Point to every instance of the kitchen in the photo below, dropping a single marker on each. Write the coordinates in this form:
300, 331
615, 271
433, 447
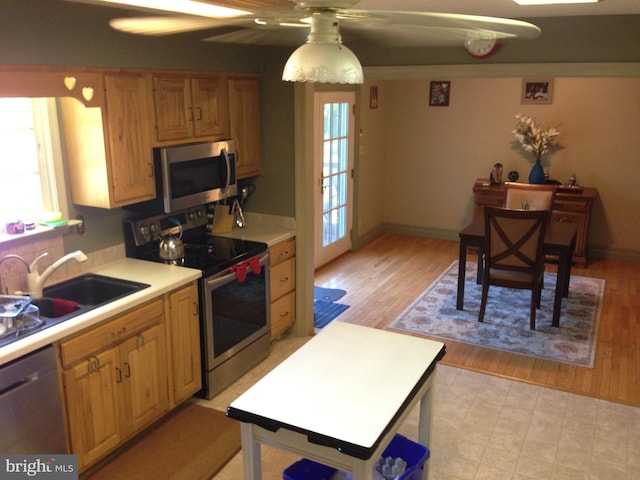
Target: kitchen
51, 41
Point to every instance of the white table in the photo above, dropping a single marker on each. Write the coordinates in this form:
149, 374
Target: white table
340, 398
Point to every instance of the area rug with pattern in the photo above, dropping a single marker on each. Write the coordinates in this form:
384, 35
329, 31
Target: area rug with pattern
506, 323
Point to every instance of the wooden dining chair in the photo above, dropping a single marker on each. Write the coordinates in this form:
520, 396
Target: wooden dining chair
527, 196
514, 256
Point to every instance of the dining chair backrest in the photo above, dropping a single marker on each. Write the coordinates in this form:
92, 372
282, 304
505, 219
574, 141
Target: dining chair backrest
514, 253
514, 239
527, 196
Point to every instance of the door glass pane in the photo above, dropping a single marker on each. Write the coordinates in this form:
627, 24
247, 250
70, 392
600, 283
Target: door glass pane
335, 171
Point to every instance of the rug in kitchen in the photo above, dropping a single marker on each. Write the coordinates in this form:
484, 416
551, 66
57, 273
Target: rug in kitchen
192, 443
506, 325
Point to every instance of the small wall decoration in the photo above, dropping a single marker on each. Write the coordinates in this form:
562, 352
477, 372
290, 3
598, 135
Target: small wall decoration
537, 90
439, 93
373, 97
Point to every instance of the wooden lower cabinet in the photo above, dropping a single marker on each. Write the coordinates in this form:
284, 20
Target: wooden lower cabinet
119, 388
282, 285
124, 374
93, 408
184, 344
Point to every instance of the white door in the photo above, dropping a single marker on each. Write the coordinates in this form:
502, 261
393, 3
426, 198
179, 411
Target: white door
333, 160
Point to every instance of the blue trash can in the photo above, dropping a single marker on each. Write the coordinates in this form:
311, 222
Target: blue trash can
411, 452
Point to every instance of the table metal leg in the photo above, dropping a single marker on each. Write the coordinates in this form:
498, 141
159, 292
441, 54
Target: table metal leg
424, 426
462, 267
251, 458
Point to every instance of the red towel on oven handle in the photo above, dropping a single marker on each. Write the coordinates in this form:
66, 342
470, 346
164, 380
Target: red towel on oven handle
241, 271
254, 263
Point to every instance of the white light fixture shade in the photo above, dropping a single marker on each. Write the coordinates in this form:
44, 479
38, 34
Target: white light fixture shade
323, 58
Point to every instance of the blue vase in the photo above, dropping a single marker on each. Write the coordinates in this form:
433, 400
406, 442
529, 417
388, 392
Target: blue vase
537, 173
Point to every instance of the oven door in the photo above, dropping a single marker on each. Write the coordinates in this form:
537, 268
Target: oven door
235, 312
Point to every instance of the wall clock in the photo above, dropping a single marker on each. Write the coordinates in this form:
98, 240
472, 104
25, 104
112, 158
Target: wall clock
479, 47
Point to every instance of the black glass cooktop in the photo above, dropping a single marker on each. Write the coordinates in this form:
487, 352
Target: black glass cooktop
211, 254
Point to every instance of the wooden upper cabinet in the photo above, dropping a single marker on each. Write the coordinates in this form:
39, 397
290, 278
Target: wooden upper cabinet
244, 121
128, 107
109, 147
190, 107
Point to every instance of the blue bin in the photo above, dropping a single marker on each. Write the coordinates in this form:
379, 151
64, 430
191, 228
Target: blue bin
307, 470
411, 452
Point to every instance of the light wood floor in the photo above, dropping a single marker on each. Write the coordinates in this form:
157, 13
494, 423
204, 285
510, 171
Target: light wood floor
387, 275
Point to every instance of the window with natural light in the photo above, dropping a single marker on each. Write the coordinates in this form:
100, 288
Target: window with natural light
29, 157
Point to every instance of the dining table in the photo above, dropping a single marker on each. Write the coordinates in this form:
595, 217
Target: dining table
340, 399
559, 242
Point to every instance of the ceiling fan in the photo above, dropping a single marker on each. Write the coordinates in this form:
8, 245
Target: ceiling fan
328, 22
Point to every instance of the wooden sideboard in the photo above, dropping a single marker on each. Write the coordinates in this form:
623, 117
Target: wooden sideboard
571, 205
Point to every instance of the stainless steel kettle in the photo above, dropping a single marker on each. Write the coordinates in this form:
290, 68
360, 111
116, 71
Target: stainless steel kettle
171, 247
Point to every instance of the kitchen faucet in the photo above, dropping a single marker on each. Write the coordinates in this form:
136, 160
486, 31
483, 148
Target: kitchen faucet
35, 281
9, 257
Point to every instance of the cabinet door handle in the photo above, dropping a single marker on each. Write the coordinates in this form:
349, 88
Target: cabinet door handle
196, 309
94, 364
199, 113
284, 314
191, 117
128, 367
119, 332
140, 341
118, 375
150, 169
284, 279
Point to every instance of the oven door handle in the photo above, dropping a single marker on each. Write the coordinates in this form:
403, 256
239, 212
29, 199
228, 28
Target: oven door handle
229, 274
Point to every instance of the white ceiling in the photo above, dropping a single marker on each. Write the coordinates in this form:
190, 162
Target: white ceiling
504, 8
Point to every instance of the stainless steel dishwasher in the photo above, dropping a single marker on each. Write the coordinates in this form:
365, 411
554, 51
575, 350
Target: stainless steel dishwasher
30, 405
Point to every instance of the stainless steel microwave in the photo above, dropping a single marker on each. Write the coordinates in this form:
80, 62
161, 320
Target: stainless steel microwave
191, 175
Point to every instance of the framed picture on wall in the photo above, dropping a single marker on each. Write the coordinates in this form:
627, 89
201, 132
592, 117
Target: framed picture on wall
373, 97
439, 93
537, 90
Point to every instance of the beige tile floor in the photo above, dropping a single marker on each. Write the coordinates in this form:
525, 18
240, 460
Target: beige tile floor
486, 427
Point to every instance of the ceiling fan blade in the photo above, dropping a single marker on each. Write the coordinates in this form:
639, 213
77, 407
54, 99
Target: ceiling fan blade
167, 25
375, 27
263, 36
420, 29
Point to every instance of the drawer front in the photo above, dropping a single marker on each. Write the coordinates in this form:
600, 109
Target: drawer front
281, 252
283, 314
570, 205
282, 278
112, 332
493, 199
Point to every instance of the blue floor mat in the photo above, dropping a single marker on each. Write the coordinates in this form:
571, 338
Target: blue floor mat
324, 312
328, 294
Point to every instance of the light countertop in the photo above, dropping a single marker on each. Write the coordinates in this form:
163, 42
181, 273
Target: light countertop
162, 278
261, 232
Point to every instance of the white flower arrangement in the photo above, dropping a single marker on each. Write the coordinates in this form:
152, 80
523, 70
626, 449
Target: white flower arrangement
533, 138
